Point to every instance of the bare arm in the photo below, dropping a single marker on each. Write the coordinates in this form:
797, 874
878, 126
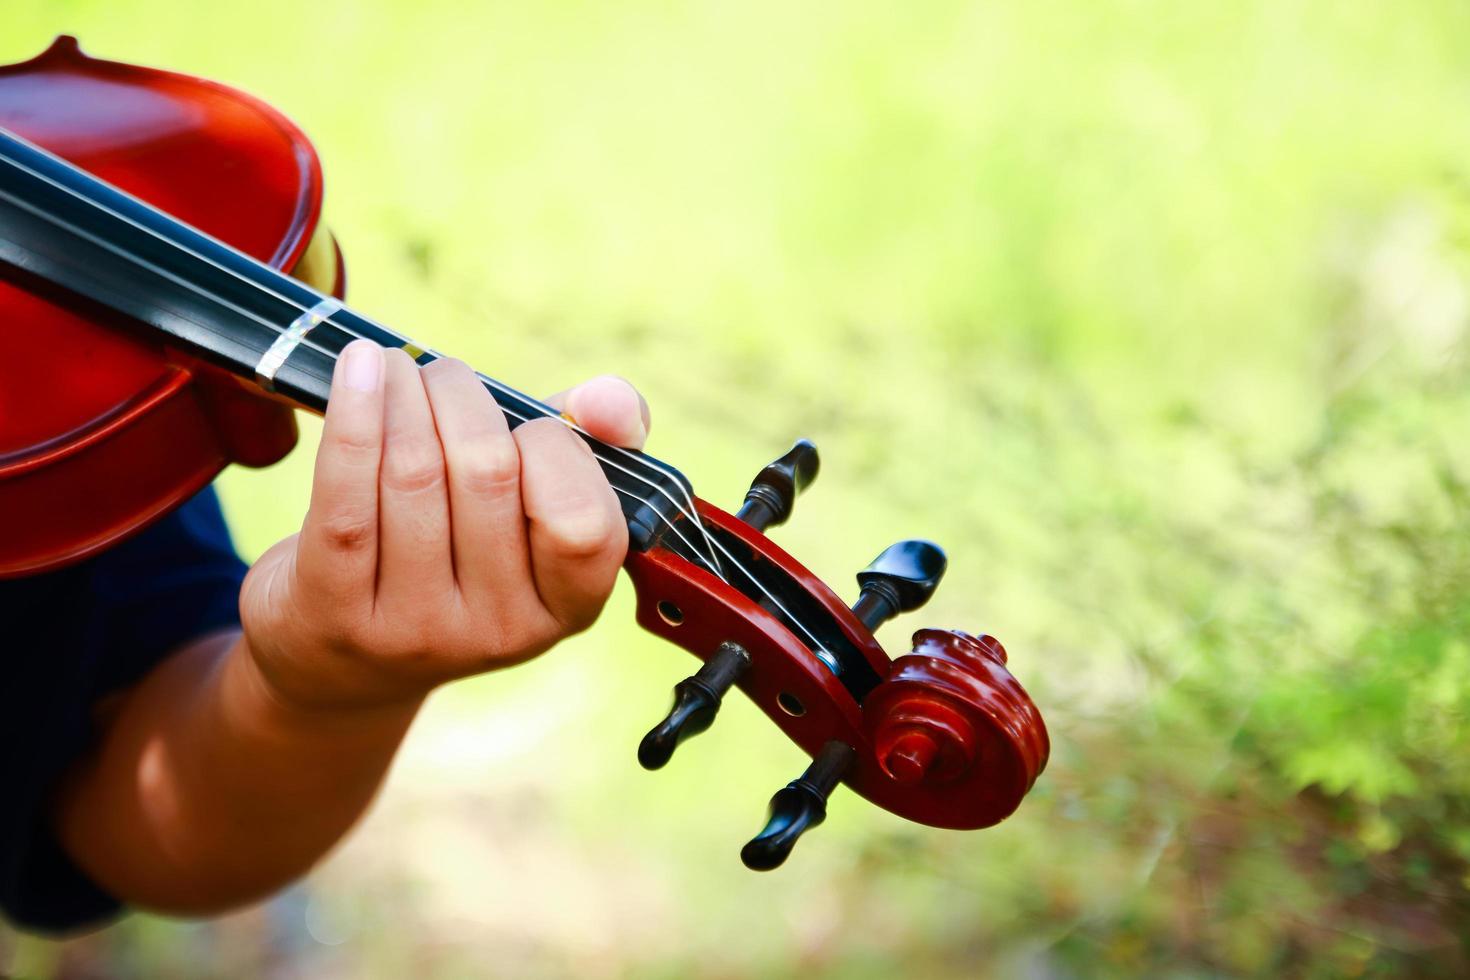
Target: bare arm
438, 545
210, 790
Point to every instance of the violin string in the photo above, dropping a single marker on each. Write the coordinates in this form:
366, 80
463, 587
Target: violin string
714, 544
796, 621
329, 354
672, 527
816, 645
712, 561
689, 512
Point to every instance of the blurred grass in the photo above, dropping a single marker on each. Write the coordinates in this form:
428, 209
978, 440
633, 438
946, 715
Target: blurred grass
1153, 314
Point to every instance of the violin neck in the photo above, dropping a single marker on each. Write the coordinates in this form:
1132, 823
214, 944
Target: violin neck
84, 237
67, 228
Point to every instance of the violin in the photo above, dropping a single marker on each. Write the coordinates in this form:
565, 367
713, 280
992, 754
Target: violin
169, 300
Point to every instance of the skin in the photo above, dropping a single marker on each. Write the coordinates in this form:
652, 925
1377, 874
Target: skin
438, 545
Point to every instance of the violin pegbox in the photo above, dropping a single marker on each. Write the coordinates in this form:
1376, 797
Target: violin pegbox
944, 735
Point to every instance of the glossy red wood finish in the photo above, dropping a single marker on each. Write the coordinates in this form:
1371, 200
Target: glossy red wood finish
102, 431
952, 725
989, 741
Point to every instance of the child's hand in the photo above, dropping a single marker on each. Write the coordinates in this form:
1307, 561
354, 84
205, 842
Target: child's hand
438, 544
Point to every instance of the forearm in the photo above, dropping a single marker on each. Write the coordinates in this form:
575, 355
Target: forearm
208, 791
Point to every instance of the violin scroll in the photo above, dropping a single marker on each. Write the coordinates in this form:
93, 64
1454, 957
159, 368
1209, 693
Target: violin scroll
942, 735
950, 718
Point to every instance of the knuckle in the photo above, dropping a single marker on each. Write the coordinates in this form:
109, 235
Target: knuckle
577, 616
519, 637
348, 532
415, 657
355, 445
537, 638
346, 632
487, 467
497, 640
392, 637
506, 626
413, 472
582, 532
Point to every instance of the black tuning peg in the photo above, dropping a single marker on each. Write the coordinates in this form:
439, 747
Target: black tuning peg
798, 808
773, 494
898, 581
696, 701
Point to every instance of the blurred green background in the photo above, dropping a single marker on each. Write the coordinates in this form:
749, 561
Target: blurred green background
1153, 314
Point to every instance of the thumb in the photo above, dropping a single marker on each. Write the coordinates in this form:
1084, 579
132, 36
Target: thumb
609, 408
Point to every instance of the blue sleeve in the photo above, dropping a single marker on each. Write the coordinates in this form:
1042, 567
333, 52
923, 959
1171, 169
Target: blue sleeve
85, 632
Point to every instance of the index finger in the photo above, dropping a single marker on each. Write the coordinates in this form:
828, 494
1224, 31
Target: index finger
338, 550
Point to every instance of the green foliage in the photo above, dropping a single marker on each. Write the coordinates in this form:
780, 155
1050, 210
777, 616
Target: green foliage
1154, 314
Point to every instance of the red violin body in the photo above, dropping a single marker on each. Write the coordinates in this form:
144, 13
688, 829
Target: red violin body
102, 429
113, 411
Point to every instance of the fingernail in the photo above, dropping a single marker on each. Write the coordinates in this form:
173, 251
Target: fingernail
362, 366
640, 432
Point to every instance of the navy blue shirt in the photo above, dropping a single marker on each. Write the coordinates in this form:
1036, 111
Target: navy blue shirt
70, 638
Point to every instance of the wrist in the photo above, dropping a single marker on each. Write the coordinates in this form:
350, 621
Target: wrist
253, 692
